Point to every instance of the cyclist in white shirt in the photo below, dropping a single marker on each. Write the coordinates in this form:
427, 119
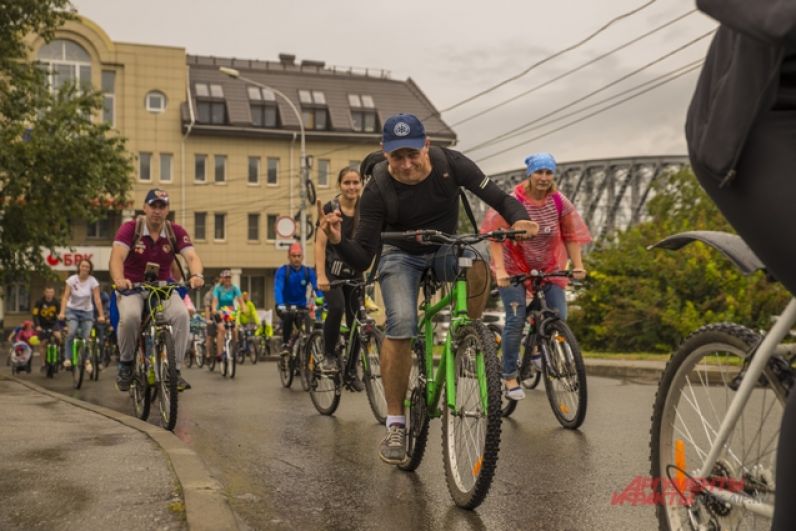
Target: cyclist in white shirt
76, 305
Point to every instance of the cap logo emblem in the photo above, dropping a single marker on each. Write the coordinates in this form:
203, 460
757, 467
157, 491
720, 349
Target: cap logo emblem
401, 129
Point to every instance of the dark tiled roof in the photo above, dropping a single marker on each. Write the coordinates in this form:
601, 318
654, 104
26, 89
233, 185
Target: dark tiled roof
390, 96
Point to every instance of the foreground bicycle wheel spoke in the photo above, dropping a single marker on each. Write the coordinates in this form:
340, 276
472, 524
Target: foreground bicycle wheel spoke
471, 433
694, 396
565, 376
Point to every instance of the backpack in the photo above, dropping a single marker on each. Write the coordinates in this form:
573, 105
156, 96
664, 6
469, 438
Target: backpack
139, 228
381, 178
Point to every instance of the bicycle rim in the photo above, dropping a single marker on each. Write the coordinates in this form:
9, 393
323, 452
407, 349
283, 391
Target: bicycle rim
374, 386
168, 381
417, 419
693, 397
565, 376
471, 434
253, 355
324, 387
200, 354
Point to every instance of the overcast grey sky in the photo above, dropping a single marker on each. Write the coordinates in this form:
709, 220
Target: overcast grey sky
453, 49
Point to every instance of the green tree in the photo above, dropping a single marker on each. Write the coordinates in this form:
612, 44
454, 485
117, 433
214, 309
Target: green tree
58, 163
640, 300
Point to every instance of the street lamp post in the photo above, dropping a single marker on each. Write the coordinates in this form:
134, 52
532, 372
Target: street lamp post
231, 72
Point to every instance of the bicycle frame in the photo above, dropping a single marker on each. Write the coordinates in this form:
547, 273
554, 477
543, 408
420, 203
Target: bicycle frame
762, 354
445, 375
156, 295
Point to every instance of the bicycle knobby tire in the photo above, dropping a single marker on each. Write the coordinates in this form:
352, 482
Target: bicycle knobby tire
469, 468
167, 358
565, 380
371, 363
325, 389
416, 410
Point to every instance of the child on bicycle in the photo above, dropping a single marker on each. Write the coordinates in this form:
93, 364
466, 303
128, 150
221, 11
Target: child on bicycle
562, 231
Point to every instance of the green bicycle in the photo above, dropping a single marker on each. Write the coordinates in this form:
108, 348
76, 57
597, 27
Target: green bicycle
155, 367
84, 351
52, 353
468, 376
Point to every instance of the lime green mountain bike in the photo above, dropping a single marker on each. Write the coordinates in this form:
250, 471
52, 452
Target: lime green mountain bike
465, 388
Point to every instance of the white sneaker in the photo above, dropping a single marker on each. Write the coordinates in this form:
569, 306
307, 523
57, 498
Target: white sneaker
515, 393
67, 363
89, 367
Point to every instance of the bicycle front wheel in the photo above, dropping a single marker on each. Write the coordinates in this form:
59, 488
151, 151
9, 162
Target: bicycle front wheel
252, 348
285, 367
565, 375
167, 358
94, 356
471, 432
300, 356
416, 410
140, 391
200, 351
325, 387
371, 366
693, 398
79, 365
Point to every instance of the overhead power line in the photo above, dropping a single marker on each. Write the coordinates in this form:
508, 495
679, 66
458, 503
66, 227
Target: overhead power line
574, 70
527, 125
548, 58
586, 117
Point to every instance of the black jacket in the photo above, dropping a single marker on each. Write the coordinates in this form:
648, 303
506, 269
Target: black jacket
738, 80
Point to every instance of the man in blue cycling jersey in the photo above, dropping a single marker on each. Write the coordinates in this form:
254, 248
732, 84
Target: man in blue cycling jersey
290, 288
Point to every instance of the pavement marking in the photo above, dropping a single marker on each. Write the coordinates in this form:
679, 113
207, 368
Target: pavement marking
206, 507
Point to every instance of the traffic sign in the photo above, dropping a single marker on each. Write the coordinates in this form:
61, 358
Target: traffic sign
283, 244
285, 227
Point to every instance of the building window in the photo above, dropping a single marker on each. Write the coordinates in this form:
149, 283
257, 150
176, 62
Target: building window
200, 163
220, 227
363, 113
264, 111
273, 170
314, 110
109, 97
155, 101
211, 108
220, 168
100, 229
254, 227
254, 170
323, 172
200, 225
165, 167
270, 229
145, 166
65, 62
17, 299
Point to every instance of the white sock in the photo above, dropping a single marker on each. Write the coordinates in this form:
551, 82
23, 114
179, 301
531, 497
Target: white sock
396, 419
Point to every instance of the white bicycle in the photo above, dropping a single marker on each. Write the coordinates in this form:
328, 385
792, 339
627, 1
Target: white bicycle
717, 415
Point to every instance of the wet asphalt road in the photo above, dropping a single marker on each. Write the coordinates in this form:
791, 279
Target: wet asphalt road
286, 467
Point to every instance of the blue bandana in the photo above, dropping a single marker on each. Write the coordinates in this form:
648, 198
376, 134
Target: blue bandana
539, 161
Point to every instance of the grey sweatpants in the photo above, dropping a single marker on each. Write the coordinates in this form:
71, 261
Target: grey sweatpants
130, 308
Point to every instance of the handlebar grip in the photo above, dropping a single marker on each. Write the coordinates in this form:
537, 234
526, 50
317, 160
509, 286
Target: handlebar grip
409, 234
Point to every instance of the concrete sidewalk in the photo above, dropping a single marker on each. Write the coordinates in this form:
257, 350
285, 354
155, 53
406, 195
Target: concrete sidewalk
67, 464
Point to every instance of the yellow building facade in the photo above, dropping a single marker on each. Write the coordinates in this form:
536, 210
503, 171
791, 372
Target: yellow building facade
227, 151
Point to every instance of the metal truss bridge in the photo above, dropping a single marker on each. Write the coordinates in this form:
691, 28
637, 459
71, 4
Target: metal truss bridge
610, 194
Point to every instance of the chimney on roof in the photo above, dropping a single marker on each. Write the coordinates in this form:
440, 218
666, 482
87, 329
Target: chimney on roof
311, 63
287, 59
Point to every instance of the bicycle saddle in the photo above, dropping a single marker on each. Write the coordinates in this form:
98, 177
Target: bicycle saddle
730, 245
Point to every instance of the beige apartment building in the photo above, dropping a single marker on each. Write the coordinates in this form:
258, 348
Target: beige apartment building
227, 151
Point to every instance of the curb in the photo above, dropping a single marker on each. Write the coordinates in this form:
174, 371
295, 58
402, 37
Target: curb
624, 369
206, 507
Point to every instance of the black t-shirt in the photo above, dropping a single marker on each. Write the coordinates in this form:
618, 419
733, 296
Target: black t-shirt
45, 314
430, 204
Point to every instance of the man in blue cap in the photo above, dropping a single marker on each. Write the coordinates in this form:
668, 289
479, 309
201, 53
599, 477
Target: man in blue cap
424, 186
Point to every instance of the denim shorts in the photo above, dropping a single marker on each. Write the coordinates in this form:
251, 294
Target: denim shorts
399, 276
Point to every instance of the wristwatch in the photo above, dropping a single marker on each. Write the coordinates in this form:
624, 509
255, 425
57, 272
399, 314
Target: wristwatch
197, 275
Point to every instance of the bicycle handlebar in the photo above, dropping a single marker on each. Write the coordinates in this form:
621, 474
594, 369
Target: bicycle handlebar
541, 275
435, 236
142, 286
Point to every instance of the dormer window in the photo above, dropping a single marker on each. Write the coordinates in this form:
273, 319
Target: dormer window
262, 102
211, 108
363, 113
314, 109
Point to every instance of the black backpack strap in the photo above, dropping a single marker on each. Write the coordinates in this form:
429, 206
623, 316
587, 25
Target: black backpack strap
440, 159
381, 180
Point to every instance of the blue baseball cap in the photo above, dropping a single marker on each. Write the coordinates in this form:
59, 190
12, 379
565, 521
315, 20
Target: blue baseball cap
403, 131
155, 195
539, 161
